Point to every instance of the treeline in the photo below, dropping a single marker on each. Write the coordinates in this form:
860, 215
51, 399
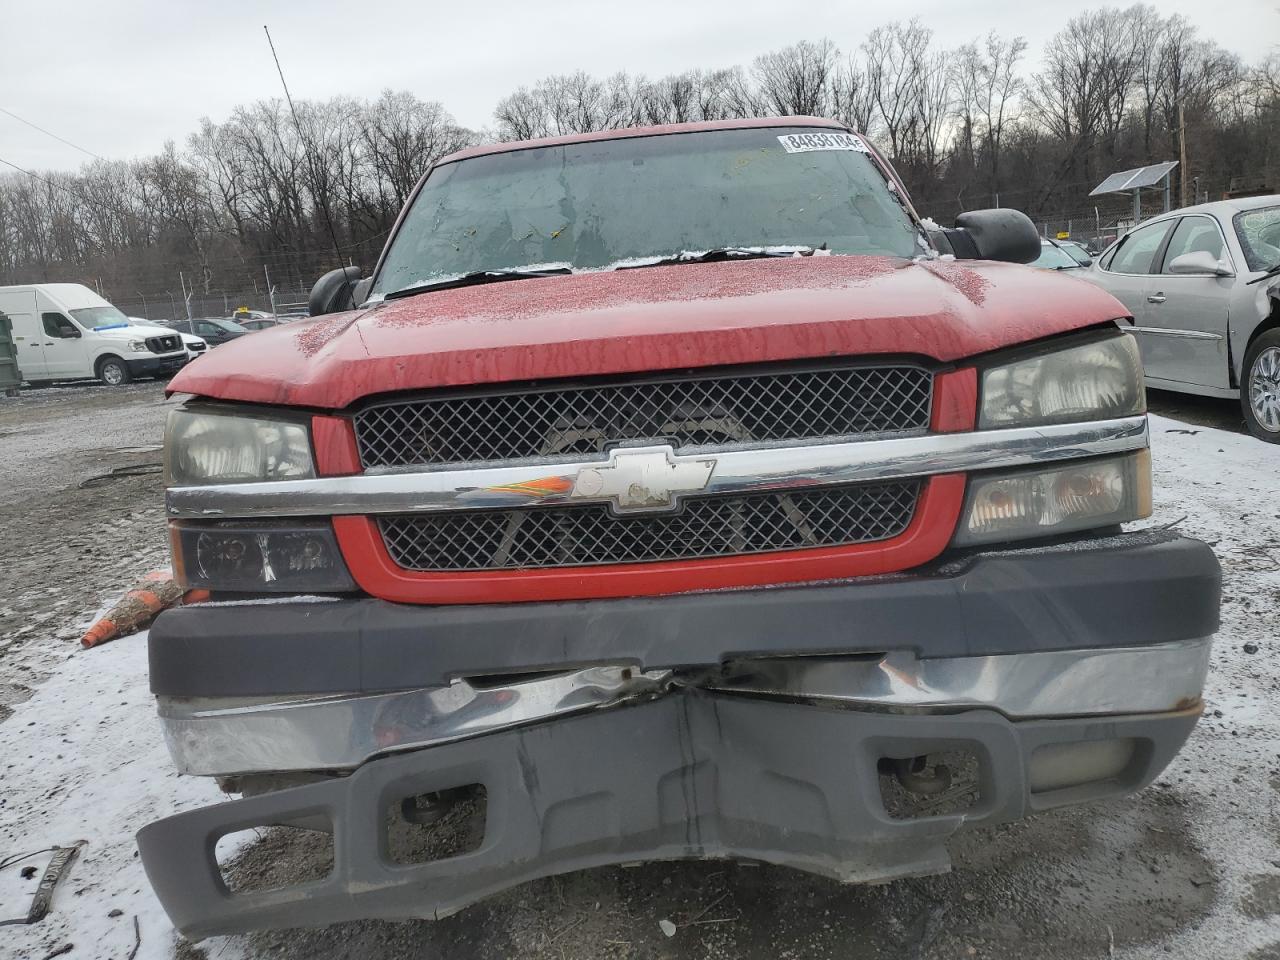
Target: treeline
967, 127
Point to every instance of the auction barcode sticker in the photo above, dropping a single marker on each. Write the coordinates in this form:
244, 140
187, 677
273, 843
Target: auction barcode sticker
806, 142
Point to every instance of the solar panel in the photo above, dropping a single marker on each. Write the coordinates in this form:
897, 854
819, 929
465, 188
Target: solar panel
1134, 179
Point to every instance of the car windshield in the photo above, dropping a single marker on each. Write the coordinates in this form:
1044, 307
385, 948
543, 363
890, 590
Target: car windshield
228, 325
1053, 258
93, 318
1076, 252
609, 203
1259, 233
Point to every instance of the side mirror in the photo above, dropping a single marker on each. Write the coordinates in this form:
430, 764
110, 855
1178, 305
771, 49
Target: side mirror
999, 234
67, 332
1200, 262
332, 292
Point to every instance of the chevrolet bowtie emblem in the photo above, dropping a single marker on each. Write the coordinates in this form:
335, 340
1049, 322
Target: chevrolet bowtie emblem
643, 478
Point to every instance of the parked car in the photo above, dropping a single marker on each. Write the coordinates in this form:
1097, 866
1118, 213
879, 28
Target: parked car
192, 344
1078, 251
1203, 289
213, 330
580, 534
65, 331
244, 313
260, 323
1055, 256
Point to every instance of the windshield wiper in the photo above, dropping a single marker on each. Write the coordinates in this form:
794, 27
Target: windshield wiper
1269, 272
472, 279
719, 254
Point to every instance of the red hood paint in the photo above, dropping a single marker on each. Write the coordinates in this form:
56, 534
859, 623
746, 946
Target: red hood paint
657, 318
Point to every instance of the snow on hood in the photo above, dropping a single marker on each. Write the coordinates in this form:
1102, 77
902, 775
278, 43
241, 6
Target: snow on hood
659, 318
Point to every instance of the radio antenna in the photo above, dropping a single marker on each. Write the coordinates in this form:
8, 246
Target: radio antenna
306, 144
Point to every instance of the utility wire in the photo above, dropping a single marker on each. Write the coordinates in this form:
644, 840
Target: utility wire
36, 176
311, 161
49, 133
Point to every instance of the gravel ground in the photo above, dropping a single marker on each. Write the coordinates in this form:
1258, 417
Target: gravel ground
65, 550
1188, 869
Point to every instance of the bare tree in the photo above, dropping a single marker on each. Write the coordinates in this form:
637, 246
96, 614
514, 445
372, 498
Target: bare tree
796, 80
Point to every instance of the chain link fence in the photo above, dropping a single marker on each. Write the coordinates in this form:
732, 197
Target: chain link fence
219, 303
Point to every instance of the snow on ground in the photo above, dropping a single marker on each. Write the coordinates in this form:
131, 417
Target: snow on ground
83, 758
1224, 488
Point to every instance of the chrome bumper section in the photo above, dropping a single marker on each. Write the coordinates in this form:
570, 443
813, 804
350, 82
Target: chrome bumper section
210, 737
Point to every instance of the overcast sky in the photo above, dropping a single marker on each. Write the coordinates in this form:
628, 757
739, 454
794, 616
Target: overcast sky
120, 78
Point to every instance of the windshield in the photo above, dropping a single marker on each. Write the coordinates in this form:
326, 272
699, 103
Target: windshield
597, 205
1259, 233
92, 318
1053, 258
228, 325
1076, 252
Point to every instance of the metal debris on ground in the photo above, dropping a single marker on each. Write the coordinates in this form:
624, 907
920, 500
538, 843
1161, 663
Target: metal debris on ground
119, 473
43, 898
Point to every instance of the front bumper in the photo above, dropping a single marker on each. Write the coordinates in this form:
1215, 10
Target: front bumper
740, 724
157, 366
698, 775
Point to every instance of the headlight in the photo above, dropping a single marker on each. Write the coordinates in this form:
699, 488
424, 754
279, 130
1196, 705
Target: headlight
1045, 503
271, 556
138, 346
1095, 381
204, 448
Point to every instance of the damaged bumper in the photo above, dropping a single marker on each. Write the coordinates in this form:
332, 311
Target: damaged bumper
753, 724
341, 732
699, 774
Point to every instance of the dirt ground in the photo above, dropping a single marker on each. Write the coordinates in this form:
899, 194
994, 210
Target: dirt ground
1200, 411
64, 549
1181, 870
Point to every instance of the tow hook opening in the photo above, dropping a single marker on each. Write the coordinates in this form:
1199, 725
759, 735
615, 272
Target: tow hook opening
930, 785
437, 825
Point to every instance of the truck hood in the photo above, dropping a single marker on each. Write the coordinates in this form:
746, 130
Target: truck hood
657, 318
134, 331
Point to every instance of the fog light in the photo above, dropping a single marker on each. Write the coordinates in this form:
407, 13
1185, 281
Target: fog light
1041, 503
241, 557
1056, 766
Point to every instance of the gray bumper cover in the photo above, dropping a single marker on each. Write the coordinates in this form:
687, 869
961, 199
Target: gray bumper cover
700, 775
1130, 590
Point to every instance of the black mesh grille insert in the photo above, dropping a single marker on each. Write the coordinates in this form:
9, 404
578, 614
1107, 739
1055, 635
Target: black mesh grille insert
165, 344
704, 410
716, 526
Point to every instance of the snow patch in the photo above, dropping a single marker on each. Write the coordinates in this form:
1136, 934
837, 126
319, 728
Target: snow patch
84, 760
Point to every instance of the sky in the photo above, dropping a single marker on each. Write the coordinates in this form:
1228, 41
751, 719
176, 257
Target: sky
121, 78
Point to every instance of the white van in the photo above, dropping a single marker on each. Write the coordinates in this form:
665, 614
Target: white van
65, 331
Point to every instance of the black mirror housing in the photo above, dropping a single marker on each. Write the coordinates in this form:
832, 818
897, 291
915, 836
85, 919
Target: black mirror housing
332, 292
999, 234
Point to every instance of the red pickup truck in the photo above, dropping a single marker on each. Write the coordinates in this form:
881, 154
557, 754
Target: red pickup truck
664, 493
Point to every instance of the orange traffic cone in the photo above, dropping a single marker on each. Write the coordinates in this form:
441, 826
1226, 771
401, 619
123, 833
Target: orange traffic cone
158, 591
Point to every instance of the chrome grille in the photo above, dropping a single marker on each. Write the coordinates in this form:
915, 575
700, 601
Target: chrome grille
706, 409
714, 526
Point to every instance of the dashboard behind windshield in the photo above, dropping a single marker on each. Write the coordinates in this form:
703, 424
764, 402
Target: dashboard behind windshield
599, 204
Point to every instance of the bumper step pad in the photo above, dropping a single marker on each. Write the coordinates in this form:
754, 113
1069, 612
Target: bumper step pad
694, 775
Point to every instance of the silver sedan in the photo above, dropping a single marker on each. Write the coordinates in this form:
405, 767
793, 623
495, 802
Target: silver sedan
1203, 287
